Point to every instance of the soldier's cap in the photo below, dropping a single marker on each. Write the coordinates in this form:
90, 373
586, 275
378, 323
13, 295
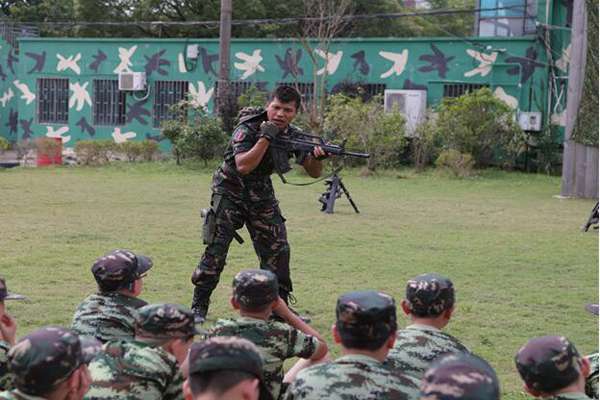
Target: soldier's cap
255, 287
460, 376
90, 348
119, 268
228, 353
548, 363
165, 321
592, 307
45, 358
5, 294
429, 294
365, 314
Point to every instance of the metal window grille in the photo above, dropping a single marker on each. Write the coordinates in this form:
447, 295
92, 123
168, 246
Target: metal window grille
458, 89
374, 89
109, 103
166, 94
305, 88
53, 100
237, 88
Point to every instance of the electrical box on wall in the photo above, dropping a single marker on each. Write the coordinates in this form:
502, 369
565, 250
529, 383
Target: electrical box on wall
191, 51
132, 81
530, 121
411, 103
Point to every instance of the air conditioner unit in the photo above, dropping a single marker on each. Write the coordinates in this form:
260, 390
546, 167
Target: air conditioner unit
411, 103
132, 81
530, 121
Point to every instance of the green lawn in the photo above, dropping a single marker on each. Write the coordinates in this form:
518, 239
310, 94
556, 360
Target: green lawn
520, 264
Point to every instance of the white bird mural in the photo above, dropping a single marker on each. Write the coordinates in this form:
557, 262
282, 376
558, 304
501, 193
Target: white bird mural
68, 63
251, 63
563, 62
201, 96
80, 95
182, 68
6, 96
559, 118
399, 60
125, 57
332, 61
121, 137
58, 133
511, 101
485, 62
27, 95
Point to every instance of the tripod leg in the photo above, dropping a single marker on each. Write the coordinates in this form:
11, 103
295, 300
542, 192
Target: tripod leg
349, 197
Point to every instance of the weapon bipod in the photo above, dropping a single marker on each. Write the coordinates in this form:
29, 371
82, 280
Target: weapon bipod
333, 191
592, 220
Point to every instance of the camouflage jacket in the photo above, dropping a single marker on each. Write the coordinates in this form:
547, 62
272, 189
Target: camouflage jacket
353, 376
129, 370
6, 377
568, 396
18, 395
107, 316
591, 382
276, 341
417, 345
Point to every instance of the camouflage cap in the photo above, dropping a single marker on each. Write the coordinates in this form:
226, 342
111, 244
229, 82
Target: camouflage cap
592, 307
5, 294
548, 363
45, 358
460, 376
429, 294
228, 353
119, 268
366, 315
90, 348
255, 287
164, 321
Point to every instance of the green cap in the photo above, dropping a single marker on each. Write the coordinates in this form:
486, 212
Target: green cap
365, 315
255, 287
429, 294
164, 321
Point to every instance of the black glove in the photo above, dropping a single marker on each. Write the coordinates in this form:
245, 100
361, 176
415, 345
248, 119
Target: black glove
268, 130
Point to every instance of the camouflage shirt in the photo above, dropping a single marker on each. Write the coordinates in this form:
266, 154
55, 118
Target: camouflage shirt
591, 382
418, 345
129, 370
353, 376
568, 396
107, 316
6, 377
275, 340
18, 395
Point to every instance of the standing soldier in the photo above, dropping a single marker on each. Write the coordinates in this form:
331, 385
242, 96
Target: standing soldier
366, 329
109, 313
552, 368
8, 329
430, 303
146, 367
243, 194
460, 376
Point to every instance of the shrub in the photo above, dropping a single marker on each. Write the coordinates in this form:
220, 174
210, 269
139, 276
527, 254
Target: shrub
368, 129
252, 98
480, 125
423, 150
48, 147
149, 149
3, 144
132, 150
95, 152
453, 160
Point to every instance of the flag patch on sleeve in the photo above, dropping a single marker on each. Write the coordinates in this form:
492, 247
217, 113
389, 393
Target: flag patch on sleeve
239, 135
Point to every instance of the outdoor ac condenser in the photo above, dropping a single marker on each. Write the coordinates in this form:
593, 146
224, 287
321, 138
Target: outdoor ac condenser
132, 81
412, 103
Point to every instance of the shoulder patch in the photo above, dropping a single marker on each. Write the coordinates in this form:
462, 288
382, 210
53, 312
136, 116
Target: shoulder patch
239, 134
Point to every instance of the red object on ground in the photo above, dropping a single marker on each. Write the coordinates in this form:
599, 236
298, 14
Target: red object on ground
43, 157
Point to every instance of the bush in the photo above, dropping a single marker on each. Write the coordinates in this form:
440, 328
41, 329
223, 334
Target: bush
480, 125
95, 152
423, 149
48, 147
130, 149
3, 144
368, 130
149, 149
453, 160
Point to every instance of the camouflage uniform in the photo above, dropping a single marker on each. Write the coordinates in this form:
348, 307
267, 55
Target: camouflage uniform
364, 317
243, 199
549, 364
133, 368
6, 377
460, 376
108, 315
418, 345
43, 360
591, 382
228, 354
276, 341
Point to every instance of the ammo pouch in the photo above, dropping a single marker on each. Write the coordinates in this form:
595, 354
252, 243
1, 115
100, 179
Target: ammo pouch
209, 228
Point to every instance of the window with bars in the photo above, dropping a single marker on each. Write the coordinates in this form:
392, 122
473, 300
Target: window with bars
366, 91
507, 18
458, 89
108, 103
52, 100
166, 94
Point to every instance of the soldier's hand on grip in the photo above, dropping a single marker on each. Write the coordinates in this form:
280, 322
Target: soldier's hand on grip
268, 130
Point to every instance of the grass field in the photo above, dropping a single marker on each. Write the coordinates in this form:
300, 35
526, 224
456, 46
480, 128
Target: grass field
520, 264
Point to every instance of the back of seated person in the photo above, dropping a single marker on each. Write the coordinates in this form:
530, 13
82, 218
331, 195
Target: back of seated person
8, 329
109, 314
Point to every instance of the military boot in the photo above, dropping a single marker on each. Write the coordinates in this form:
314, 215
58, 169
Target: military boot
200, 304
289, 298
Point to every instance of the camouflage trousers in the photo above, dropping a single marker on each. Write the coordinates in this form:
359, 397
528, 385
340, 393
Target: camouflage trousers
267, 230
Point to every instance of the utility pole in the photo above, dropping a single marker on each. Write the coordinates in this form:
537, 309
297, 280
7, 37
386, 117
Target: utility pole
224, 84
